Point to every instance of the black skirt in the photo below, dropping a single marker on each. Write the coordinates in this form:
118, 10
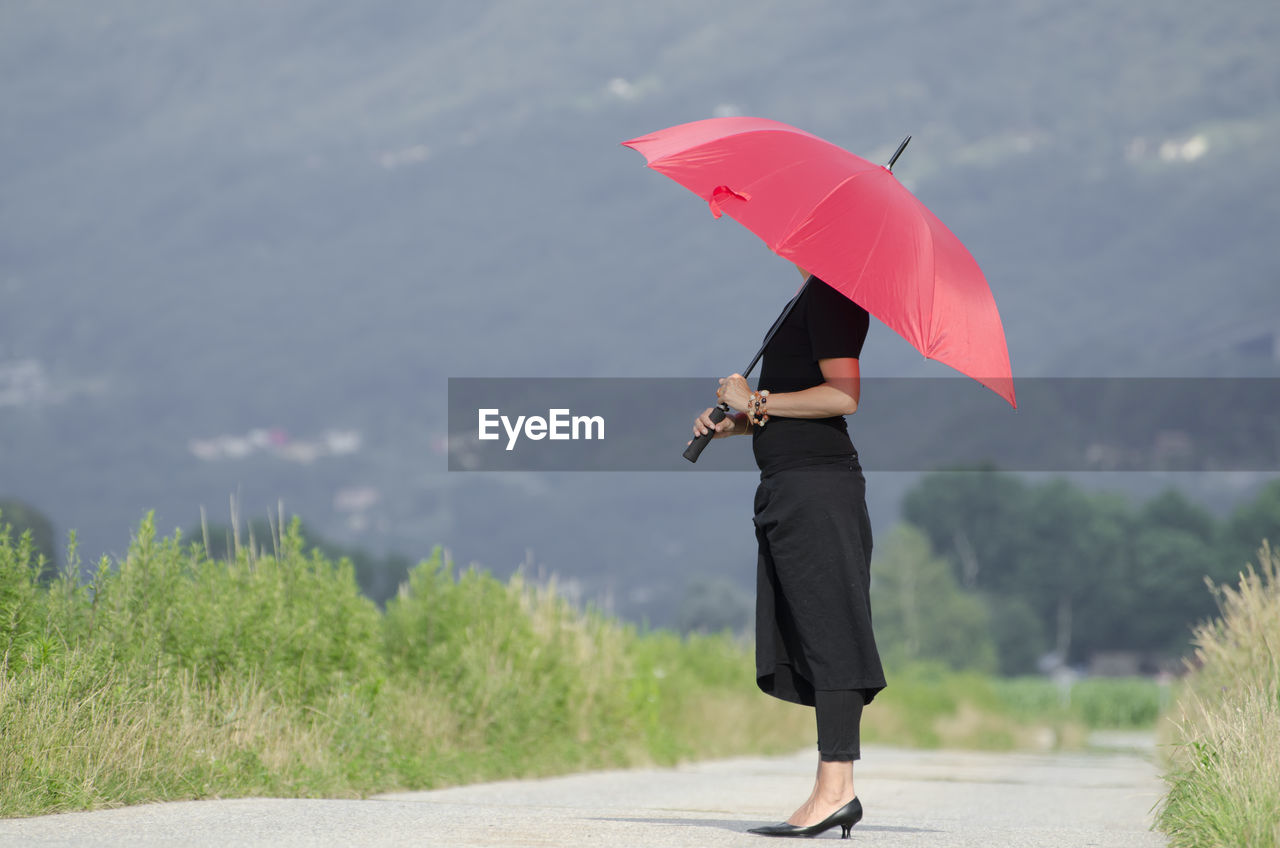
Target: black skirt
813, 606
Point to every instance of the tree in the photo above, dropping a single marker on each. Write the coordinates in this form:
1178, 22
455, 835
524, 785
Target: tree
1169, 569
920, 610
1245, 529
1081, 572
1018, 633
1171, 509
1173, 550
974, 518
1076, 568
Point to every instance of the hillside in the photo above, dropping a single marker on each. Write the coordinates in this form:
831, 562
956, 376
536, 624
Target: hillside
233, 236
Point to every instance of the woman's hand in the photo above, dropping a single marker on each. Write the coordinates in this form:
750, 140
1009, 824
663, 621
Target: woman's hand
735, 391
731, 425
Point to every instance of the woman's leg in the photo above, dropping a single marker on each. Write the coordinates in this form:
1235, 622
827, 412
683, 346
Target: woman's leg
839, 715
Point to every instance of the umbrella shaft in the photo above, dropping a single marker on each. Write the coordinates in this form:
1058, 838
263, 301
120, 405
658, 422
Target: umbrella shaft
768, 337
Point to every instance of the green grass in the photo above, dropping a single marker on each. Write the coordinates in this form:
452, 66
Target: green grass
927, 705
173, 676
1223, 771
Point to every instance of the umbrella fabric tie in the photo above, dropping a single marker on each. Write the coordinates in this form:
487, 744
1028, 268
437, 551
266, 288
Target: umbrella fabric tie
720, 193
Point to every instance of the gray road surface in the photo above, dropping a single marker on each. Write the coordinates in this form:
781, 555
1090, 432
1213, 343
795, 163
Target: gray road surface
940, 799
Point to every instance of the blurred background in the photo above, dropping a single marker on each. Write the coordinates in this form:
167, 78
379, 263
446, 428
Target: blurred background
243, 247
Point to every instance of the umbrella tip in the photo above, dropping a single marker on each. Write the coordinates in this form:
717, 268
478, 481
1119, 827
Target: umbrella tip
898, 152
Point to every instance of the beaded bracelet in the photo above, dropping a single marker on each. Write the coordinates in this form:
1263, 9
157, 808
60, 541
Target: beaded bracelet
754, 408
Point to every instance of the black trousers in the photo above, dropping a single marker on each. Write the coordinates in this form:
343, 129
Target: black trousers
839, 713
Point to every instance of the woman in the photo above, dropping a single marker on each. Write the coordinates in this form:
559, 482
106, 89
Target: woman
814, 643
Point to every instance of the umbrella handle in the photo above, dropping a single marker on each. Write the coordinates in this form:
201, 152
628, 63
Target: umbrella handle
696, 446
722, 409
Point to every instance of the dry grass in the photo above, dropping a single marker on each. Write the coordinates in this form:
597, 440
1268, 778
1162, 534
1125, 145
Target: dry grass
113, 744
758, 724
1224, 766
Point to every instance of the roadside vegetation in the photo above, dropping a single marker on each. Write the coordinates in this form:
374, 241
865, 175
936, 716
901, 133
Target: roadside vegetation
1224, 767
173, 675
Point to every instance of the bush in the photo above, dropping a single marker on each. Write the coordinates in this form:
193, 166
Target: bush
18, 593
294, 623
921, 613
520, 659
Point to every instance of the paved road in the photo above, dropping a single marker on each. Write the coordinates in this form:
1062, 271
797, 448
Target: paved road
940, 799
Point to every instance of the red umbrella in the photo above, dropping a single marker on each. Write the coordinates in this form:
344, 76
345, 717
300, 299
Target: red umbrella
850, 223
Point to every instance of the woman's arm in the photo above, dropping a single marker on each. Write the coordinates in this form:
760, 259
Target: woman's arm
838, 395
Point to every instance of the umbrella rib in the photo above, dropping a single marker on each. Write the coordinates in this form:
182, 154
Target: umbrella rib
933, 268
787, 241
924, 322
879, 235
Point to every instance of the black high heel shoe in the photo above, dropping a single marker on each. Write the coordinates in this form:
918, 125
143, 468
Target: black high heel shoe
847, 816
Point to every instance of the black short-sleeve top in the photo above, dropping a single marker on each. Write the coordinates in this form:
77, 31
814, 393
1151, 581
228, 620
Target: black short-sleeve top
824, 324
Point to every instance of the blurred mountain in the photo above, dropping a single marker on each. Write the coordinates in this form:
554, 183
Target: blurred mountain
231, 233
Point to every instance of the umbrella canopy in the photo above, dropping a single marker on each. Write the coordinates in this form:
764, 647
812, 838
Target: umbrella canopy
849, 222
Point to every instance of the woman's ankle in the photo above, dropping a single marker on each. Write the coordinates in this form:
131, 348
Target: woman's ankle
835, 783
835, 795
